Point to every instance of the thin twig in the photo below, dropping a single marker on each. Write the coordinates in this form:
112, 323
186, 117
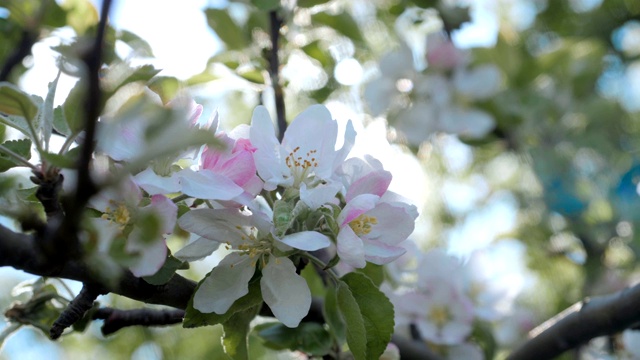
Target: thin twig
274, 71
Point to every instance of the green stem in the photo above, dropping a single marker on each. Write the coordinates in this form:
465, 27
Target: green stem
179, 198
321, 265
17, 158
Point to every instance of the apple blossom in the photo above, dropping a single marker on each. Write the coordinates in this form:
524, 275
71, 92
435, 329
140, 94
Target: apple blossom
251, 236
123, 216
371, 227
307, 157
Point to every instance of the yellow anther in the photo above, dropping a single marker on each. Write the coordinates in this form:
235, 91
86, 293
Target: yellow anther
362, 225
439, 315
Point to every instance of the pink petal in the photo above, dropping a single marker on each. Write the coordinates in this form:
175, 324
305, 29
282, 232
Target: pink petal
376, 182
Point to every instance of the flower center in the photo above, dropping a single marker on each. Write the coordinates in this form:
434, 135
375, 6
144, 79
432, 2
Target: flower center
362, 225
301, 165
253, 246
439, 315
119, 214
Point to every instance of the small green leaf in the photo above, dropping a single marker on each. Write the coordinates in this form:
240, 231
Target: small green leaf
20, 147
253, 75
343, 23
332, 315
282, 216
236, 333
356, 333
314, 50
62, 161
60, 121
14, 101
377, 313
166, 272
226, 29
266, 5
310, 337
165, 86
194, 318
44, 125
73, 107
138, 44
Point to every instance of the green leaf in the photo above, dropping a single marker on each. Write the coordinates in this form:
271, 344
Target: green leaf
138, 44
374, 272
226, 29
253, 75
332, 316
73, 107
17, 122
310, 337
282, 216
314, 281
356, 333
166, 272
310, 3
377, 313
122, 74
316, 51
20, 147
343, 23
62, 161
60, 121
194, 318
14, 101
266, 5
44, 125
165, 86
236, 333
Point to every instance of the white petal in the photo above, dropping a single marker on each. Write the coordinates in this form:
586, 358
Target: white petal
351, 248
267, 156
320, 194
167, 210
206, 184
356, 207
379, 93
314, 130
349, 141
286, 292
151, 255
156, 184
197, 250
226, 283
380, 253
215, 224
307, 240
473, 123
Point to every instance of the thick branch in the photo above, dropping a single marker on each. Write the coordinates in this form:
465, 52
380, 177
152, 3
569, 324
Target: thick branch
580, 323
115, 319
20, 252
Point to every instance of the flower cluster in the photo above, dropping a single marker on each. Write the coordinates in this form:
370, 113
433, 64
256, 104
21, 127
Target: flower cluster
271, 205
443, 298
432, 87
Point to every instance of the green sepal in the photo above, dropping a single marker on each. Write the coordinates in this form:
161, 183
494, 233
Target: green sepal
166, 272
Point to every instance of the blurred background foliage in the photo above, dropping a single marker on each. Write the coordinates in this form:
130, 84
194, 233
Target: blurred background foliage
562, 162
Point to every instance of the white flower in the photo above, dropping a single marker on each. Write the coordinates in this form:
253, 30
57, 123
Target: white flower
251, 236
306, 159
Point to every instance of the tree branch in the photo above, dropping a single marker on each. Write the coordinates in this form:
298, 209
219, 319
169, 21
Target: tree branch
580, 323
23, 50
274, 70
75, 310
115, 319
